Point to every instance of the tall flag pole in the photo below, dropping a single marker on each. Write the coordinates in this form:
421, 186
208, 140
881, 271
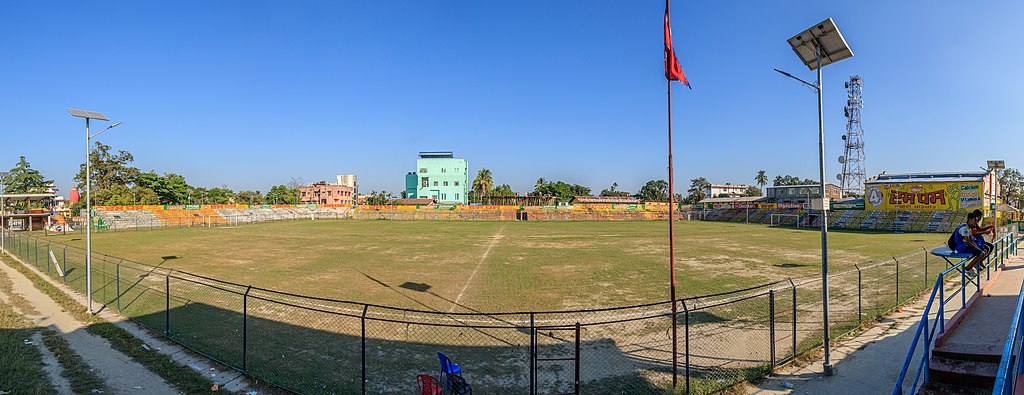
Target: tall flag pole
673, 71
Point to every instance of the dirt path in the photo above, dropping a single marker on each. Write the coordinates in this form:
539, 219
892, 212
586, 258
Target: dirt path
122, 374
51, 366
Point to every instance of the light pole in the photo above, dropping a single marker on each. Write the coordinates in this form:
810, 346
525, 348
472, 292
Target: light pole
820, 46
994, 165
3, 222
88, 197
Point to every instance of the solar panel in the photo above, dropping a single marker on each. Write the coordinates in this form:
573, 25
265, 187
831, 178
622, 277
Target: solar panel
825, 34
87, 114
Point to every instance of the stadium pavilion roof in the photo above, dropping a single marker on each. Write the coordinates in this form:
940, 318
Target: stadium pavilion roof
20, 197
966, 176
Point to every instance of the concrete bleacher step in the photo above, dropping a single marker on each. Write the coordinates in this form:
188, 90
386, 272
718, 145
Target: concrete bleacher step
967, 373
970, 352
949, 389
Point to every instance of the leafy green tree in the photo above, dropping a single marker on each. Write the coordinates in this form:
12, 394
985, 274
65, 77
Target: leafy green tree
120, 195
790, 180
613, 191
22, 178
503, 190
654, 191
483, 183
1012, 184
108, 169
282, 194
752, 191
761, 179
562, 191
248, 197
222, 195
169, 188
198, 195
378, 198
696, 192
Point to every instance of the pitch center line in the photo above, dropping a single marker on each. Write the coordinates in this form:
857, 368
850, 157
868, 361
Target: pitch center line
494, 241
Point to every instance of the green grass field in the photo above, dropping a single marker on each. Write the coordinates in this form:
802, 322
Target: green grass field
498, 266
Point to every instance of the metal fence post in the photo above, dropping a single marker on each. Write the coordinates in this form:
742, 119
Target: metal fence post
686, 348
578, 358
963, 287
925, 267
771, 324
47, 257
794, 315
860, 312
362, 321
117, 279
533, 356
897, 281
167, 304
64, 263
245, 329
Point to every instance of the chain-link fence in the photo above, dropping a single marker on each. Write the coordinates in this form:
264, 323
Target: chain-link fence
316, 345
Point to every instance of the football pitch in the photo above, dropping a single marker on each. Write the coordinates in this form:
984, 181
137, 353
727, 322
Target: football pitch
498, 266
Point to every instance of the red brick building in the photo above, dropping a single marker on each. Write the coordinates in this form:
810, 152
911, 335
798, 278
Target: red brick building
324, 193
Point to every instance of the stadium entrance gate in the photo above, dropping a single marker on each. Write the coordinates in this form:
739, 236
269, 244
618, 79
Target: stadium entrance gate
561, 345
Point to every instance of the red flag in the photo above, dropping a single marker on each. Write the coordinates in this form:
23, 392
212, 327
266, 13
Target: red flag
673, 71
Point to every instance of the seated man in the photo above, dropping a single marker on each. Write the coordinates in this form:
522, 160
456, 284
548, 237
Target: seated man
965, 242
978, 232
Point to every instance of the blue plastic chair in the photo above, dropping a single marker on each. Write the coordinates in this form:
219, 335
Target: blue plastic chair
448, 369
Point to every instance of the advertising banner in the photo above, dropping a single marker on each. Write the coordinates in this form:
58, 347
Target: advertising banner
924, 196
767, 205
859, 205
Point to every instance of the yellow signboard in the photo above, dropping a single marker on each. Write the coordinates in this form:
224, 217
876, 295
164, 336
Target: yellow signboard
924, 196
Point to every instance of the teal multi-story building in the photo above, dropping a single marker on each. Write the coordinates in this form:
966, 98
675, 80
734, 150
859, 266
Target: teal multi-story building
442, 177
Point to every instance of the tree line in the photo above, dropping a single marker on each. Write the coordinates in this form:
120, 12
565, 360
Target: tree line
115, 182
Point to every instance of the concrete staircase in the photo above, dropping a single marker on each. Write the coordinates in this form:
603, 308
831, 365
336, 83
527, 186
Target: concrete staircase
960, 368
965, 360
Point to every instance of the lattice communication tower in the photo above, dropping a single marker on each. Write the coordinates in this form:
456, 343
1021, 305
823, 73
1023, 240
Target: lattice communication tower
851, 180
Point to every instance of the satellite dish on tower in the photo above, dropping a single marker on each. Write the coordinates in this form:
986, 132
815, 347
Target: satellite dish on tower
839, 177
842, 159
844, 137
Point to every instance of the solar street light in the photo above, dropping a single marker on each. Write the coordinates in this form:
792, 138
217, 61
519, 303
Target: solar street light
819, 46
88, 115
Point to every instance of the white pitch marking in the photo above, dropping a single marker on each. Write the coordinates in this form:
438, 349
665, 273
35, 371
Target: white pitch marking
490, 245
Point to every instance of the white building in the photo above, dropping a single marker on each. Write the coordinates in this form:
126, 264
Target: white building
727, 190
348, 180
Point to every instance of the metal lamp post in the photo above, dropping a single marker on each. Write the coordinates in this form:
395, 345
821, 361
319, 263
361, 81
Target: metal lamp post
994, 165
819, 46
88, 115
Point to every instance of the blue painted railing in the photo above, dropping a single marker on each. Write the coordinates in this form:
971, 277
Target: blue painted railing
1010, 365
926, 328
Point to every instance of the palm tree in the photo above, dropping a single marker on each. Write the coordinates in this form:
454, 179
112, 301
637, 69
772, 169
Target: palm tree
483, 183
761, 179
539, 185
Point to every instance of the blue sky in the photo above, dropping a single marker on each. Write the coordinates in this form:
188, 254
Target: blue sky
250, 94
